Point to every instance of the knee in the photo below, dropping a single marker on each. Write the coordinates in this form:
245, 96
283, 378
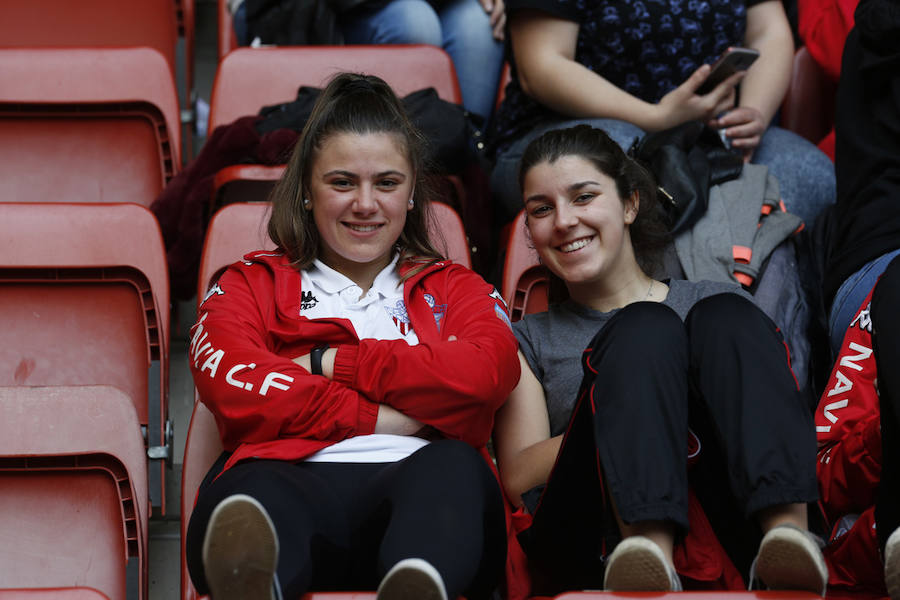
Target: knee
723, 313
411, 22
452, 453
454, 464
645, 324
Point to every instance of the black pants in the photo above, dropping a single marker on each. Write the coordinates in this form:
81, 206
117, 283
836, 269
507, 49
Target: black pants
646, 376
341, 526
886, 345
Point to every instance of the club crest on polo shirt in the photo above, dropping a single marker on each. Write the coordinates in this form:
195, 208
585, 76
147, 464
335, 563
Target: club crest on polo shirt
400, 317
438, 310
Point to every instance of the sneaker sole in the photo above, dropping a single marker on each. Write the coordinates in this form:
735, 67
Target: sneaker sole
240, 550
642, 568
412, 579
892, 565
787, 561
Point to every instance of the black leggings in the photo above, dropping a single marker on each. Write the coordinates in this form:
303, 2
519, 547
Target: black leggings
646, 376
886, 344
341, 526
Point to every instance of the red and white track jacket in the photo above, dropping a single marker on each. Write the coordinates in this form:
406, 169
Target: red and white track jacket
266, 406
848, 428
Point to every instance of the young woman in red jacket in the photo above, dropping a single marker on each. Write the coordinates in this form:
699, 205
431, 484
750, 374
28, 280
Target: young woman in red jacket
626, 380
354, 375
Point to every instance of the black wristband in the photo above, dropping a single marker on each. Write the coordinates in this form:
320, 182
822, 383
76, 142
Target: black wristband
315, 359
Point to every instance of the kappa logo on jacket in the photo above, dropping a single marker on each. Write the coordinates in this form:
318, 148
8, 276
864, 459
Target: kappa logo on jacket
307, 300
214, 290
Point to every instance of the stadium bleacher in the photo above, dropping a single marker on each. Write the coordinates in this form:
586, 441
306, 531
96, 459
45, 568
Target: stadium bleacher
98, 454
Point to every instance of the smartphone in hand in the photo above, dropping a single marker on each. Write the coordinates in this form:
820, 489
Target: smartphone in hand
734, 59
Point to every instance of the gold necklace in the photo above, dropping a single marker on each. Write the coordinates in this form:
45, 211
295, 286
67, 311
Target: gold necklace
649, 289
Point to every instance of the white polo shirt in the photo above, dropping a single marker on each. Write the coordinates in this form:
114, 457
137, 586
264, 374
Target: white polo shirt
378, 314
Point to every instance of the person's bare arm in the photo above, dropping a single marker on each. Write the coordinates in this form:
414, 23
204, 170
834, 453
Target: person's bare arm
544, 50
525, 451
766, 81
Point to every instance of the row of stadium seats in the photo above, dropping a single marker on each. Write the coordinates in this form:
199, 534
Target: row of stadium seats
84, 293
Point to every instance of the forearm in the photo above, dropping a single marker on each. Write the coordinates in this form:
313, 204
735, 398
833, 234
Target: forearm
767, 81
529, 468
571, 89
393, 421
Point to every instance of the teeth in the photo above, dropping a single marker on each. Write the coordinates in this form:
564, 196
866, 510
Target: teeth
577, 244
363, 228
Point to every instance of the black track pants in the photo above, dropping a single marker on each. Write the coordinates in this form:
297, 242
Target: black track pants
646, 376
341, 526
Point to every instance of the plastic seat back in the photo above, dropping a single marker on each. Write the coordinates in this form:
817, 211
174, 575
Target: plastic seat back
525, 280
201, 449
86, 125
71, 593
239, 228
84, 300
73, 490
250, 78
226, 41
100, 23
716, 595
809, 104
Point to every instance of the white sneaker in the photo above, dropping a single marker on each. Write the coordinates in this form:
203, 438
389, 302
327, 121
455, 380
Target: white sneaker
638, 565
892, 565
240, 551
412, 579
790, 559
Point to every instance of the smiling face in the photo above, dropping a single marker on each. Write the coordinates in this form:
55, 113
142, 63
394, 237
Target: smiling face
579, 224
360, 186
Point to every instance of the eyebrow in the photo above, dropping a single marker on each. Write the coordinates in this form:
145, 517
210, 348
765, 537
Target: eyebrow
572, 188
352, 174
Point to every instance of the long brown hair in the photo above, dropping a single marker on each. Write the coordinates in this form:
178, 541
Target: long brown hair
648, 232
359, 104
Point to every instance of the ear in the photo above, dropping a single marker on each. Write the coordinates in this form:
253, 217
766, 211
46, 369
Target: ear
632, 205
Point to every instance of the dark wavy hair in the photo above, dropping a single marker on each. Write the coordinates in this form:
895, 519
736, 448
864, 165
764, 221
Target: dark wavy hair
649, 233
359, 104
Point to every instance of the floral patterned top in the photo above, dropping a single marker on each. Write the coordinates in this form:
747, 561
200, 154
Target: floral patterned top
645, 47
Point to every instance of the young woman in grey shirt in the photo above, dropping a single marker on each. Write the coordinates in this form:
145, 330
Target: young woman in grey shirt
626, 381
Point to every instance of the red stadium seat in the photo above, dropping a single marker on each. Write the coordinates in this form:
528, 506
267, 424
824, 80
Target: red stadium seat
720, 595
73, 491
226, 40
99, 23
239, 228
505, 78
201, 449
808, 106
235, 230
86, 125
525, 281
84, 300
250, 78
72, 593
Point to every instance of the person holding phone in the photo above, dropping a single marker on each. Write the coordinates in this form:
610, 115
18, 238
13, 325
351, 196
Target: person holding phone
634, 67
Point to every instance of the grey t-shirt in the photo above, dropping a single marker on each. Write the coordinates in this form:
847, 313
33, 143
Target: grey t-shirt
552, 341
